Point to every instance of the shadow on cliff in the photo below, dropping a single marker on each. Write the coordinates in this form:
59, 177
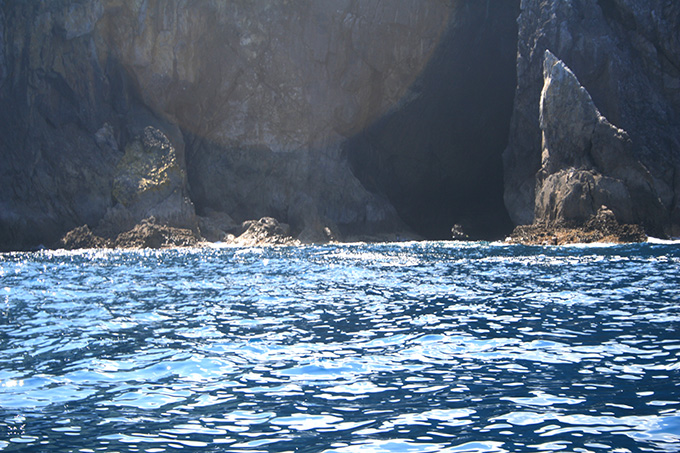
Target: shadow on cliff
437, 157
433, 162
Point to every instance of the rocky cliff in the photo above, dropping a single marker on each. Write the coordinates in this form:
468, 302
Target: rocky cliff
596, 114
247, 103
438, 157
250, 100
339, 118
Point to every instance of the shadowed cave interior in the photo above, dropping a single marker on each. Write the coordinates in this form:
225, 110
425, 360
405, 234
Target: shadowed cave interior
438, 157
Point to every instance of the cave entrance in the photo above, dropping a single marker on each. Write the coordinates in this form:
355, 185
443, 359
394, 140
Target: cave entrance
438, 157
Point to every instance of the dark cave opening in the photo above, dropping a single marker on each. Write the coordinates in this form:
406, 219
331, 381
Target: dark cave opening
438, 158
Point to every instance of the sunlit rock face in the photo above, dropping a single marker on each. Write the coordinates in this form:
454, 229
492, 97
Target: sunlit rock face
256, 98
587, 163
284, 75
626, 56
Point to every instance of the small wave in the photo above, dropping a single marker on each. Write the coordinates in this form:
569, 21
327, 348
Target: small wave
422, 346
653, 240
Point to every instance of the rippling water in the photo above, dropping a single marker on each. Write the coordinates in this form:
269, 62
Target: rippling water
375, 348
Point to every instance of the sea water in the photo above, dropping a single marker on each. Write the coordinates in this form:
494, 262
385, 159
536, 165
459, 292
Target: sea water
409, 347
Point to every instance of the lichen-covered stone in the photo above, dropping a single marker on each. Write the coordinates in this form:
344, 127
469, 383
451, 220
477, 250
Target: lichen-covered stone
149, 181
148, 170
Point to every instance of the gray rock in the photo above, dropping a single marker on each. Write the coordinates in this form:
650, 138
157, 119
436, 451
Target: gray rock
601, 227
149, 181
587, 162
3, 63
263, 93
357, 116
625, 54
83, 238
56, 95
77, 18
149, 234
264, 232
217, 226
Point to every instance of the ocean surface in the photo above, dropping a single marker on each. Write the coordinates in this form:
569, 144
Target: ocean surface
403, 347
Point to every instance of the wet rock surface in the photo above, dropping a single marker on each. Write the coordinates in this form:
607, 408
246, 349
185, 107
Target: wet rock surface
149, 234
601, 227
83, 238
266, 231
146, 234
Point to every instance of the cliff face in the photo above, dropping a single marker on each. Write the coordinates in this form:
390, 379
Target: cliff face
587, 162
265, 93
337, 117
253, 99
596, 118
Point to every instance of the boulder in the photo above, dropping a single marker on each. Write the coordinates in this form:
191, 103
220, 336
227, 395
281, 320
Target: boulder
264, 232
217, 226
83, 238
149, 234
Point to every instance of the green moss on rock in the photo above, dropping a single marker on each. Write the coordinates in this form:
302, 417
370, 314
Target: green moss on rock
149, 169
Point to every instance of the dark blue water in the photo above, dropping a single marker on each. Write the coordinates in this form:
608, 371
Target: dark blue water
374, 348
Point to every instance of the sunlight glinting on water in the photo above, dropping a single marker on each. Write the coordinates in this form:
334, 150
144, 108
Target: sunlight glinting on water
374, 348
